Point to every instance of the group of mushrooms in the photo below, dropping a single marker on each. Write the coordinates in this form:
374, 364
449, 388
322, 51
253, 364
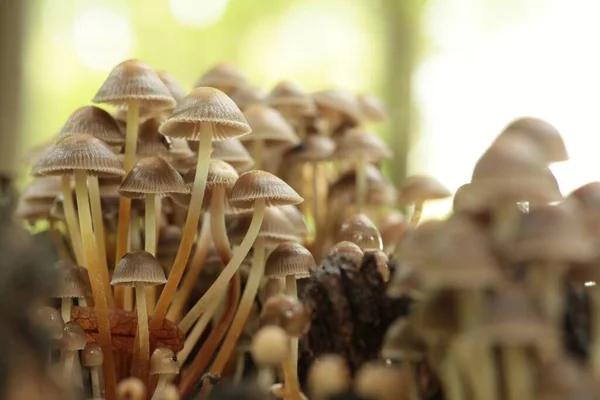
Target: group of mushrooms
182, 229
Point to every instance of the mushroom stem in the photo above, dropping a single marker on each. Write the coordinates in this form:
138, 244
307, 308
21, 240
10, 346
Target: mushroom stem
143, 333
291, 289
505, 224
292, 387
58, 241
189, 229
68, 366
96, 390
66, 303
361, 183
547, 283
518, 368
96, 207
220, 284
191, 277
257, 153
131, 137
163, 380
217, 224
71, 218
150, 243
595, 317
416, 214
196, 332
96, 280
240, 362
454, 386
315, 197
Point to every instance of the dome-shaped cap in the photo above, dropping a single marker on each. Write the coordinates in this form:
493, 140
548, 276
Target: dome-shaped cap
376, 380
163, 361
289, 96
150, 142
372, 108
33, 210
138, 267
221, 174
270, 346
246, 96
293, 214
73, 338
314, 148
92, 120
340, 101
131, 389
205, 105
92, 355
44, 188
152, 175
286, 312
359, 229
267, 124
69, 282
134, 80
260, 185
233, 152
289, 259
223, 76
419, 188
349, 251
360, 144
545, 137
328, 376
402, 342
78, 152
50, 320
172, 85
275, 228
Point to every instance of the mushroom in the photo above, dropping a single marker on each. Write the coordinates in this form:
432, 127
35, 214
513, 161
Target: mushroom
418, 189
233, 152
293, 103
246, 96
206, 114
393, 226
131, 389
349, 251
140, 269
406, 282
382, 382
168, 392
69, 286
261, 190
328, 377
363, 148
93, 358
181, 155
49, 320
172, 85
224, 77
164, 364
270, 348
73, 340
372, 108
151, 142
337, 107
293, 214
545, 137
359, 229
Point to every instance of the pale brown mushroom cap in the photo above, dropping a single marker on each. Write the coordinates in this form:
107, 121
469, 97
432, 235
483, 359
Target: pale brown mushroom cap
152, 175
314, 148
393, 227
545, 136
406, 281
220, 174
328, 375
267, 124
286, 312
50, 320
270, 346
359, 229
69, 283
403, 342
587, 200
223, 76
275, 228
44, 188
78, 152
553, 234
33, 210
246, 96
205, 105
92, 355
289, 96
172, 85
150, 141
289, 259
73, 338
92, 120
419, 188
260, 185
233, 152
138, 267
131, 389
382, 382
340, 101
134, 80
348, 250
163, 361
296, 218
372, 108
358, 143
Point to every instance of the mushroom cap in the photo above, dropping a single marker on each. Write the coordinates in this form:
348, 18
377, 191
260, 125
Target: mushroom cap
138, 267
286, 312
92, 355
340, 101
403, 342
248, 95
382, 382
348, 250
586, 200
406, 281
131, 389
152, 175
418, 188
382, 263
92, 120
69, 283
275, 228
43, 188
393, 227
172, 85
267, 124
359, 229
78, 152
291, 99
33, 210
233, 152
260, 185
134, 80
223, 76
413, 250
50, 320
545, 136
150, 142
221, 173
328, 375
554, 234
314, 148
73, 338
359, 144
289, 259
163, 361
372, 108
270, 346
296, 218
205, 105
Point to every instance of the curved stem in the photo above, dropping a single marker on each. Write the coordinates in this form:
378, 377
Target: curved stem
292, 387
163, 379
291, 289
192, 338
257, 153
131, 137
66, 303
98, 222
198, 366
191, 277
72, 223
416, 214
361, 184
143, 333
150, 243
238, 257
96, 280
217, 224
190, 228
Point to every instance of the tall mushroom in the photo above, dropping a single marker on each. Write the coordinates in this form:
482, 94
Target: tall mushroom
293, 103
206, 114
233, 152
73, 340
140, 269
418, 189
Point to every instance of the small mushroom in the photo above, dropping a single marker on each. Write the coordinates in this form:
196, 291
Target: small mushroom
69, 286
372, 108
545, 136
270, 348
382, 382
328, 377
359, 229
164, 364
131, 389
224, 77
417, 190
93, 358
73, 340
349, 251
